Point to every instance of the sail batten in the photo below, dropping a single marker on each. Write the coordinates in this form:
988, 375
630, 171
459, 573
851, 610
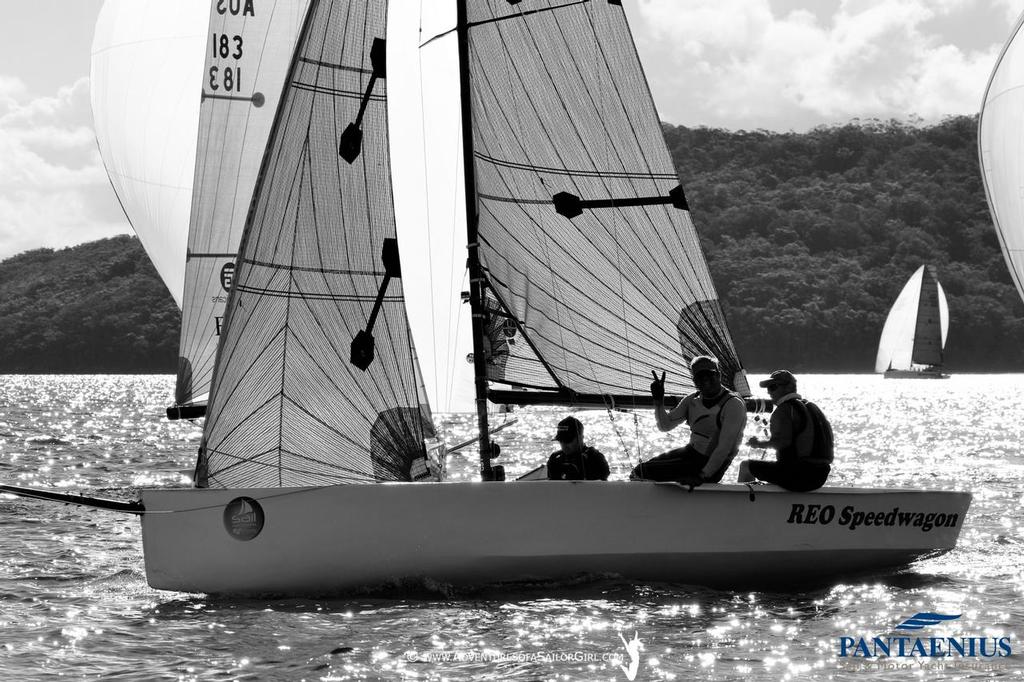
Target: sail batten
560, 105
288, 405
601, 173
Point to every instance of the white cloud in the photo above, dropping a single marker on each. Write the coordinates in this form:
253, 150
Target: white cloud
732, 63
53, 188
1011, 7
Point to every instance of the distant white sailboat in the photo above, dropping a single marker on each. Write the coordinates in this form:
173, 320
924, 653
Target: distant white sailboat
1001, 151
915, 331
586, 272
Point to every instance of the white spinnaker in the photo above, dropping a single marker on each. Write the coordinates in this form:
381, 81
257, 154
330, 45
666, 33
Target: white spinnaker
895, 348
246, 60
147, 63
430, 206
1001, 151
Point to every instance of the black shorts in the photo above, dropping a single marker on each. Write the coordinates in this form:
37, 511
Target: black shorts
800, 478
674, 465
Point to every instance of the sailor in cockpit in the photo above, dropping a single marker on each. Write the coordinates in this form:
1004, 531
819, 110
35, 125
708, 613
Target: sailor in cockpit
716, 417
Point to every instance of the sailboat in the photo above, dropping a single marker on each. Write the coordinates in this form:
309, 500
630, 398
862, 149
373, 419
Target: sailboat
915, 330
1001, 151
320, 470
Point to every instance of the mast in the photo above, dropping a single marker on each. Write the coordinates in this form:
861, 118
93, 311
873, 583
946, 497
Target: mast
476, 294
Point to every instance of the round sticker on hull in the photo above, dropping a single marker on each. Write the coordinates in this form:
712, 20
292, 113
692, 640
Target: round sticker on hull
243, 518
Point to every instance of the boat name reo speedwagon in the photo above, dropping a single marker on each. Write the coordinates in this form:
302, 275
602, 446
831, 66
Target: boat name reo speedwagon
852, 518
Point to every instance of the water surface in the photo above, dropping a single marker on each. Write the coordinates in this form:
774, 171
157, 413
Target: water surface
75, 603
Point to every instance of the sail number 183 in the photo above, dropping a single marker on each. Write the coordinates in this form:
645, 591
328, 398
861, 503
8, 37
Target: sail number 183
229, 78
225, 46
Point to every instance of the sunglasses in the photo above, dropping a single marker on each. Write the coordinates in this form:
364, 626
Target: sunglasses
704, 374
773, 386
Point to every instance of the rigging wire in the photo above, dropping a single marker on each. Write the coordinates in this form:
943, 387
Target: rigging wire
426, 196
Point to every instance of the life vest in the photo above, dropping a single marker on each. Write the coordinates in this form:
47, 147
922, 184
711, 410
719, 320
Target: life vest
699, 422
821, 446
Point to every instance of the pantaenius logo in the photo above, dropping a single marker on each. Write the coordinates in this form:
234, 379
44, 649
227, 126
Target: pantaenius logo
243, 518
227, 275
908, 646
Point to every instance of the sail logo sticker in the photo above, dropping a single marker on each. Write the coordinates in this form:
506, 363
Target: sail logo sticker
227, 275
243, 518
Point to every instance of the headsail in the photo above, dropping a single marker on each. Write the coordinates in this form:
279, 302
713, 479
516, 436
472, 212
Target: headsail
147, 61
287, 406
247, 56
915, 329
1001, 151
932, 321
594, 268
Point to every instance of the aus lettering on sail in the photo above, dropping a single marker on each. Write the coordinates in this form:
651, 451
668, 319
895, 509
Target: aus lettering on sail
236, 7
852, 518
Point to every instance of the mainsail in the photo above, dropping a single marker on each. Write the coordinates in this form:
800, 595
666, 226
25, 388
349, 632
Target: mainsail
1001, 151
147, 61
316, 269
247, 56
916, 327
594, 272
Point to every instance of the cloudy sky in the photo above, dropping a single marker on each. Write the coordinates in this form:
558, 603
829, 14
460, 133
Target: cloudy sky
737, 64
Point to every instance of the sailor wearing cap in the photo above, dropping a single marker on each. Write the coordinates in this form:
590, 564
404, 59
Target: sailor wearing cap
792, 435
575, 461
716, 417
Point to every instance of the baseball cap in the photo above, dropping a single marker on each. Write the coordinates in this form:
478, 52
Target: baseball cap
780, 376
568, 429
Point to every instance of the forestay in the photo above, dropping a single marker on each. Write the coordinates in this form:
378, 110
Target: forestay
1001, 151
147, 60
248, 52
595, 272
287, 408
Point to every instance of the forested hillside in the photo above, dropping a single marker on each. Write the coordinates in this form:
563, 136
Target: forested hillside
97, 307
809, 238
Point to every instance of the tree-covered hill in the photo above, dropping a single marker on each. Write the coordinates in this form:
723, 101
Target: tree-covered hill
809, 238
97, 307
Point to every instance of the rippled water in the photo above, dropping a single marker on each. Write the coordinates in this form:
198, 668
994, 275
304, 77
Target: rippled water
76, 603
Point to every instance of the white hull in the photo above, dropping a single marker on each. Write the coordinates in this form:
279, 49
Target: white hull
931, 373
317, 541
